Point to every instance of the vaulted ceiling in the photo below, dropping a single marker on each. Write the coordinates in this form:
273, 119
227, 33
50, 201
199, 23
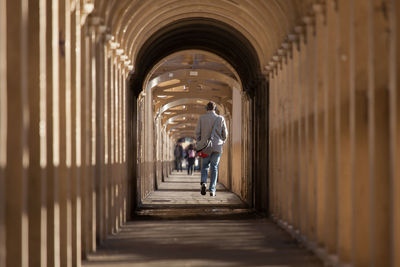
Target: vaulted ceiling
264, 23
189, 52
184, 82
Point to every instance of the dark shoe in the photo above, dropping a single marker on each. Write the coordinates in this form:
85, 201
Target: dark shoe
203, 189
212, 194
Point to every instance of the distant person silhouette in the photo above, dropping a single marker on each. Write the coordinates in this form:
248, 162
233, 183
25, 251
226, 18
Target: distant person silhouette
178, 153
191, 157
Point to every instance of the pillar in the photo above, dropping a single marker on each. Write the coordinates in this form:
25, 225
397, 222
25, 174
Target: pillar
119, 143
106, 139
112, 141
272, 183
37, 134
303, 124
3, 128
53, 131
319, 110
110, 134
85, 140
296, 131
344, 142
359, 121
275, 137
291, 135
285, 134
278, 136
116, 177
16, 213
123, 137
65, 132
329, 129
310, 127
91, 178
272, 129
100, 147
76, 135
395, 129
378, 96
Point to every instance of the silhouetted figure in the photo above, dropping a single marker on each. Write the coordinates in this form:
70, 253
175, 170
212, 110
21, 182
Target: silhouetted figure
178, 153
191, 157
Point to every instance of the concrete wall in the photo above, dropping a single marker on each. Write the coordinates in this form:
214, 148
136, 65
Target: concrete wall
334, 131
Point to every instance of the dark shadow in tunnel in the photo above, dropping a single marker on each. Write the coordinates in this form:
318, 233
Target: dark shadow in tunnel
213, 243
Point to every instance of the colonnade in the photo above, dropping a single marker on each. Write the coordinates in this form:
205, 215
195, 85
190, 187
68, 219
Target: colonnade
63, 178
155, 147
334, 138
334, 132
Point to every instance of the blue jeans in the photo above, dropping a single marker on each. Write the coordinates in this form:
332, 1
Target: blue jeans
214, 160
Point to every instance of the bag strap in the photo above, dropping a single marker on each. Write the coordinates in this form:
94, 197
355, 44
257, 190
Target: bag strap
213, 129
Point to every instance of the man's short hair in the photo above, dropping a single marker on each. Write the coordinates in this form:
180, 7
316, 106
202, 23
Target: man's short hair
211, 106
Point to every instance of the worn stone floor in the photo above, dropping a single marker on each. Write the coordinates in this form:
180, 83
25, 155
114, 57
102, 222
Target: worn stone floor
180, 190
208, 233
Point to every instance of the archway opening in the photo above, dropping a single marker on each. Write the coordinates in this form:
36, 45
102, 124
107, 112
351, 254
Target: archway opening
187, 58
174, 96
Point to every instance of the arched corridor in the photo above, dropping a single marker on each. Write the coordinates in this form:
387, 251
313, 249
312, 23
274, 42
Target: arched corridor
94, 95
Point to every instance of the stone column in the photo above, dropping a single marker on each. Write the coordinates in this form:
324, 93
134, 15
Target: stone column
116, 145
65, 132
123, 136
119, 141
274, 137
103, 128
273, 147
296, 130
16, 213
37, 134
291, 134
91, 178
76, 135
359, 57
112, 142
395, 129
85, 140
303, 122
329, 129
100, 151
106, 138
378, 96
53, 133
3, 128
109, 139
262, 142
310, 123
344, 142
284, 141
271, 143
320, 121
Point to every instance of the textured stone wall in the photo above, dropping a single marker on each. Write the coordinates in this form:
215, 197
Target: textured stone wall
334, 107
63, 176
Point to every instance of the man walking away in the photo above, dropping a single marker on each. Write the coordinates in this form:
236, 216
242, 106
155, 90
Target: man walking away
205, 125
178, 153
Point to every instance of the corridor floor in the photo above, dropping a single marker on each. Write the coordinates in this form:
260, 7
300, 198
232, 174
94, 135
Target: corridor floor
180, 190
196, 230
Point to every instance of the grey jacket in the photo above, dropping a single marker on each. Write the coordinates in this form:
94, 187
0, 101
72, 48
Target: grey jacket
204, 128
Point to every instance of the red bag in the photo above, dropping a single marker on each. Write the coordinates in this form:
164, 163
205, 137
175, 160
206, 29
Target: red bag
202, 155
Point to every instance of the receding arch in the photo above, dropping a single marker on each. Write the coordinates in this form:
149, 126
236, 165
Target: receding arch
184, 101
203, 34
